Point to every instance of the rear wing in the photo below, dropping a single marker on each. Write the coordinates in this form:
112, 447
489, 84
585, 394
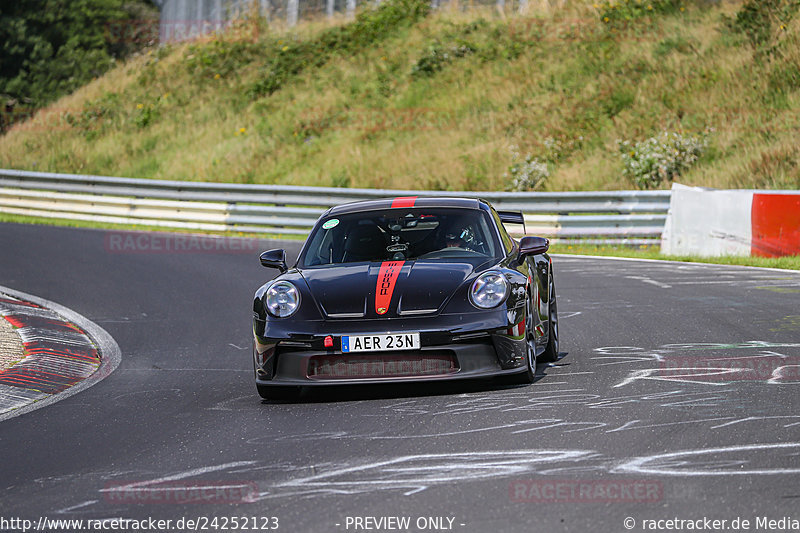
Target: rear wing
512, 217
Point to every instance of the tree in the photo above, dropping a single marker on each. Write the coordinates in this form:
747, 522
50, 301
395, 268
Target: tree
49, 48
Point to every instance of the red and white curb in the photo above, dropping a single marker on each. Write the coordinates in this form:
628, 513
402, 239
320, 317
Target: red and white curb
64, 353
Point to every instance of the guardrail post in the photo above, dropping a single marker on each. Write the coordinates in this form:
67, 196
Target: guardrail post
292, 12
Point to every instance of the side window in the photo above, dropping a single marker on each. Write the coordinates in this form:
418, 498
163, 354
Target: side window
508, 242
326, 247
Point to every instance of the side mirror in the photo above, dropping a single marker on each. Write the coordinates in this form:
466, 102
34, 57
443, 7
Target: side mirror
274, 259
533, 246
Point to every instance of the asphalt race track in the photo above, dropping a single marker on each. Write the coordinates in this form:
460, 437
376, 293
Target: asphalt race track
678, 383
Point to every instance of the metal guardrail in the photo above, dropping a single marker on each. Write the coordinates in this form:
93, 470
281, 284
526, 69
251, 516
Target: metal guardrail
629, 217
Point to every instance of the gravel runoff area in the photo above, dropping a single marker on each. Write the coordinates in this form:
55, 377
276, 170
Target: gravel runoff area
11, 349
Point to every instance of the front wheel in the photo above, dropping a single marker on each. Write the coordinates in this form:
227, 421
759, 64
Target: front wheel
528, 376
550, 354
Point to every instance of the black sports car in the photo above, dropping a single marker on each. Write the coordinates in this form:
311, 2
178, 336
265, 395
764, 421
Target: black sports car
408, 289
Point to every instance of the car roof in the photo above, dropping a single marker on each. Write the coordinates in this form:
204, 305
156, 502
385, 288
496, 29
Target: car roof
406, 202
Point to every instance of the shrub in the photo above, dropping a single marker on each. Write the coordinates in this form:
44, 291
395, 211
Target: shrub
95, 115
370, 26
437, 57
373, 25
221, 57
679, 44
618, 99
784, 77
486, 41
526, 173
759, 19
557, 149
650, 162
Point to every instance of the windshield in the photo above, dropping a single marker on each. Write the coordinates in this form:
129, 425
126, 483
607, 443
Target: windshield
402, 234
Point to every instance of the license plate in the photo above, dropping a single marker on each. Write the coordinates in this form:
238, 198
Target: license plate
376, 343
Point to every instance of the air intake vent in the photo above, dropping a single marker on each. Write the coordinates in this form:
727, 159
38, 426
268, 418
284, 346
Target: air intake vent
381, 364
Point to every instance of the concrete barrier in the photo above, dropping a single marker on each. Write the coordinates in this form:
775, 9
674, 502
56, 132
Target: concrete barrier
710, 222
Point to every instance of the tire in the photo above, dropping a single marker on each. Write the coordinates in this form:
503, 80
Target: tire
527, 377
279, 393
550, 354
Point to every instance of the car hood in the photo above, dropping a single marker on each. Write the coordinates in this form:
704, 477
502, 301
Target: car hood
388, 289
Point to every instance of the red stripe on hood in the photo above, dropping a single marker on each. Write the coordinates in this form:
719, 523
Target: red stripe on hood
404, 201
387, 277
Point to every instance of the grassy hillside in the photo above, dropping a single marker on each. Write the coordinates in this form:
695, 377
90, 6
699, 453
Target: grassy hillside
557, 98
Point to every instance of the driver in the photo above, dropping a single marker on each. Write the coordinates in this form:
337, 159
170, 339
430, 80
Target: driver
453, 240
455, 235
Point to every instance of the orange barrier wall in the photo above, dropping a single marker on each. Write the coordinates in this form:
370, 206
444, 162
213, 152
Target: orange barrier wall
776, 225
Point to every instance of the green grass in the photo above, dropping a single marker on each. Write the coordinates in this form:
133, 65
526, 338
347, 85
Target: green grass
402, 98
65, 222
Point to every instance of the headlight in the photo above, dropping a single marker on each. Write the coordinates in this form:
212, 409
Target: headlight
489, 290
282, 299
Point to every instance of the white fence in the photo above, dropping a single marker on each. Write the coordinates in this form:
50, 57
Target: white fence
188, 19
614, 217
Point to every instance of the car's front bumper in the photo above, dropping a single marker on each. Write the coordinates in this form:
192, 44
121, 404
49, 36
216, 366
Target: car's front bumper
464, 346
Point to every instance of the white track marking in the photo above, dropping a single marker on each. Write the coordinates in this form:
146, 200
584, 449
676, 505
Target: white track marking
654, 374
645, 279
679, 463
415, 473
75, 507
754, 419
147, 484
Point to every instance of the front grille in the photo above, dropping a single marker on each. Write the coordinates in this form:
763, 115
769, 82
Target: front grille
381, 364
